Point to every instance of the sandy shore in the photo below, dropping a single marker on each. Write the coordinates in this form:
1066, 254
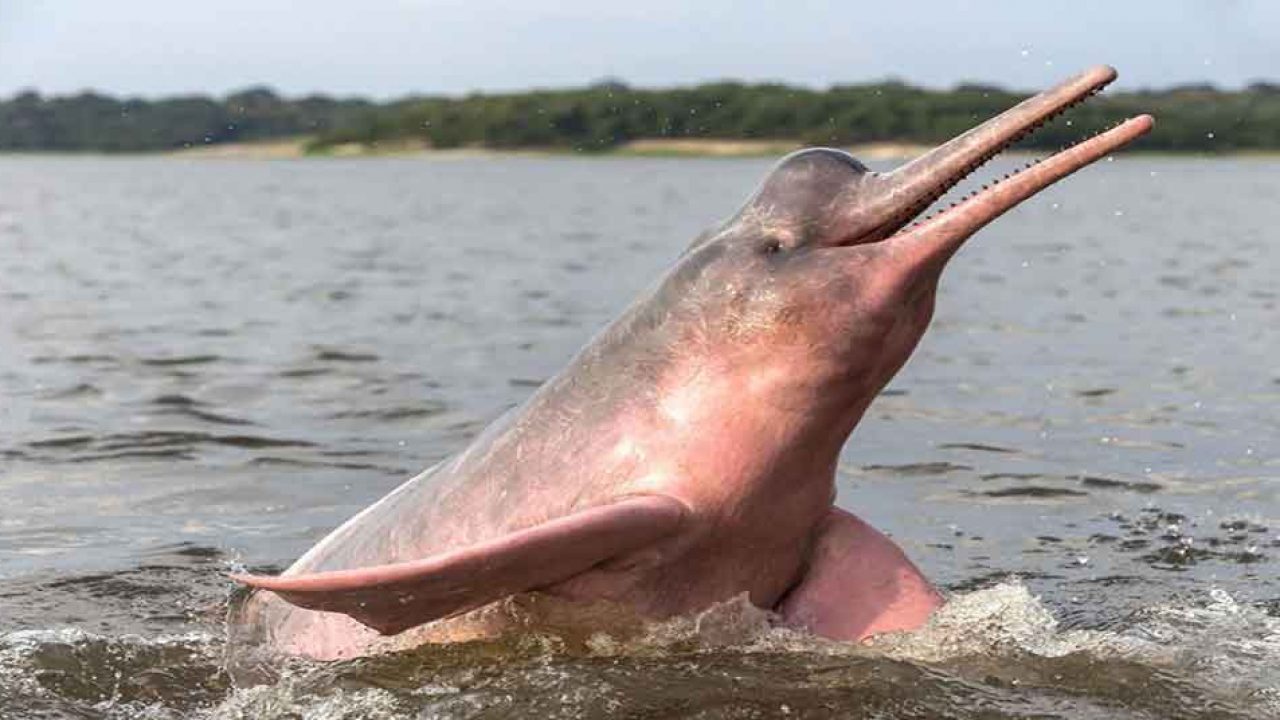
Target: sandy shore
674, 147
265, 150
698, 147
298, 147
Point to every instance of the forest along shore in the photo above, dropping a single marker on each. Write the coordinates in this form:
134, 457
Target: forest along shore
727, 118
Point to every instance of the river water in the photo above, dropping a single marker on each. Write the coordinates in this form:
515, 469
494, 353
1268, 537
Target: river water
206, 365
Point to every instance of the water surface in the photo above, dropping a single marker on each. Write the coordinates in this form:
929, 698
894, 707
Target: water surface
207, 364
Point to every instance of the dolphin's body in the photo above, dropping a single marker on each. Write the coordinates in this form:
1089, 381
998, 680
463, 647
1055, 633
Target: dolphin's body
687, 455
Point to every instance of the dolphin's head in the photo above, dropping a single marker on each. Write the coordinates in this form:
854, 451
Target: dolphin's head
821, 286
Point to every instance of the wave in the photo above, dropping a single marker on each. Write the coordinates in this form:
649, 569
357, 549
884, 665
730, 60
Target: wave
998, 652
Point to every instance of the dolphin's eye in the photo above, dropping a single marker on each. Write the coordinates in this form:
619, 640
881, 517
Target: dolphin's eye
771, 246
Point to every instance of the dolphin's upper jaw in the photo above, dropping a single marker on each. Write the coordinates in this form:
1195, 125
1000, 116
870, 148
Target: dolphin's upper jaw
903, 194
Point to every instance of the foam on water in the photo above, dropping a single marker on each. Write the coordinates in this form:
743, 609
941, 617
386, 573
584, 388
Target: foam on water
1230, 645
996, 652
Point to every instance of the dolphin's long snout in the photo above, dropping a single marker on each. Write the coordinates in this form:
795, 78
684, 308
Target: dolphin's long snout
907, 191
934, 241
924, 179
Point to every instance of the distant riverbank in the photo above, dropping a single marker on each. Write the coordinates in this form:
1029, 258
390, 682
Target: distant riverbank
718, 119
304, 147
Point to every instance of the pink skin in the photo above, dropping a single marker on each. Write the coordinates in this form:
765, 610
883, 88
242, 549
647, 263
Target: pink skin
687, 455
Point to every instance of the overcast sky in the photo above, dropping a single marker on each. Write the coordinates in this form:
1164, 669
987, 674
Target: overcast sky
385, 48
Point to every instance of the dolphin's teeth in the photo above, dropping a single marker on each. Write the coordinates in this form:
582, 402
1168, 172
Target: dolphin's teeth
1017, 137
973, 166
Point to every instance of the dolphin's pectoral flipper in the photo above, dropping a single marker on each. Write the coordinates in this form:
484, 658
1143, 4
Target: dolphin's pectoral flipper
858, 584
393, 598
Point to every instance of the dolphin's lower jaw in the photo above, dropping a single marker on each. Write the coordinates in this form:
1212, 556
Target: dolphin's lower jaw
687, 455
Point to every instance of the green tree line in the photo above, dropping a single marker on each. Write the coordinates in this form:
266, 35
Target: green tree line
607, 114
90, 122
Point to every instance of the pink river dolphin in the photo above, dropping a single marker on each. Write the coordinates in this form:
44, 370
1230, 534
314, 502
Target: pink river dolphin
687, 455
